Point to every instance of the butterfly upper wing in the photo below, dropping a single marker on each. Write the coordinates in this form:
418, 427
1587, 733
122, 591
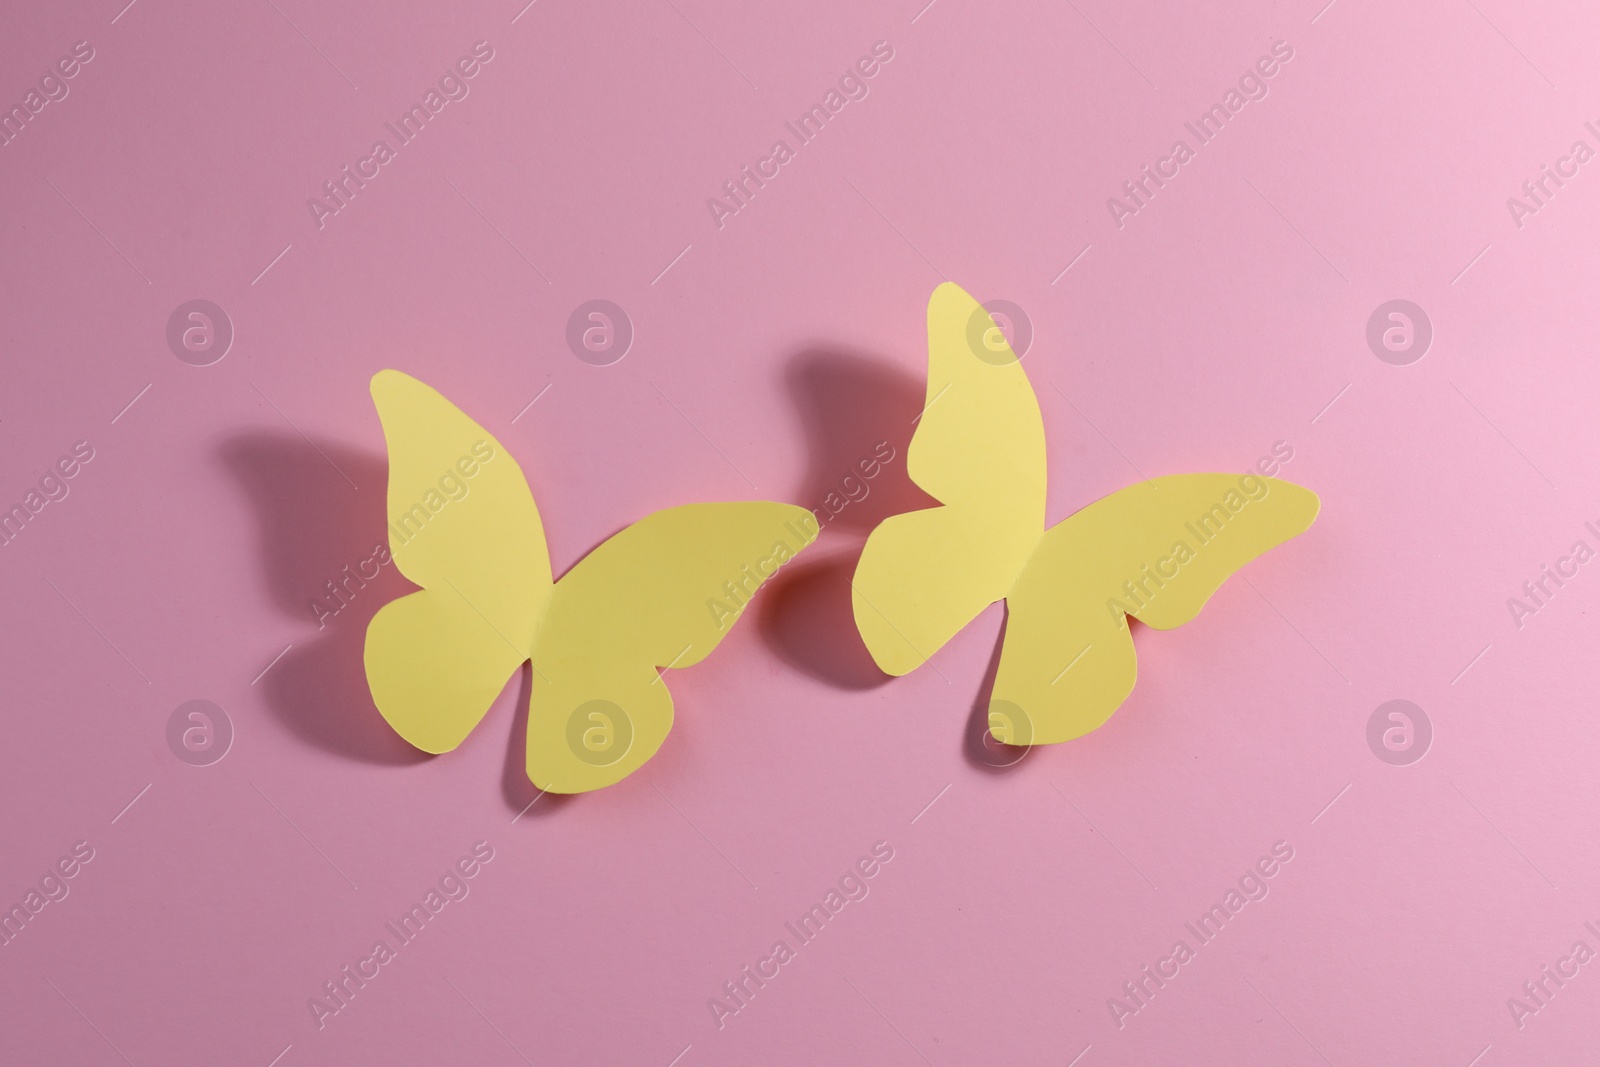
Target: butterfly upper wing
463, 525
979, 449
655, 595
1068, 661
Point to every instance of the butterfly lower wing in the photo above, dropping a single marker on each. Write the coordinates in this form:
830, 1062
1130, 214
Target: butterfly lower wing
1157, 551
434, 666
978, 449
662, 593
922, 577
463, 525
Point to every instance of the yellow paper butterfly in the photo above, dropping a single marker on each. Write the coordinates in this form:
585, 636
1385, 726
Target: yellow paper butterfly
1155, 551
463, 525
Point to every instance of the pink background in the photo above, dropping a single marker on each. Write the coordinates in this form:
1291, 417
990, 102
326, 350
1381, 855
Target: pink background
1222, 318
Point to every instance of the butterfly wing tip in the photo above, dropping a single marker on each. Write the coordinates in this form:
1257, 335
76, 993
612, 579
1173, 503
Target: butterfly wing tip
389, 383
948, 292
1307, 502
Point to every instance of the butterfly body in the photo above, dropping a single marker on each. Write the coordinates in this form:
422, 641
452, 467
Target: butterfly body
1155, 551
463, 525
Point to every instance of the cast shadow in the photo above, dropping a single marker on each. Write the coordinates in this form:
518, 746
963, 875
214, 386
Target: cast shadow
516, 788
314, 523
857, 410
807, 619
979, 747
849, 402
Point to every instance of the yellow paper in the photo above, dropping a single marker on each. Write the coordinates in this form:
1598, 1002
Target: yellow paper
463, 525
1156, 550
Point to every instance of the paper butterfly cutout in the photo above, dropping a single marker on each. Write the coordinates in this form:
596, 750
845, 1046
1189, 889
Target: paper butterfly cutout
463, 525
1155, 551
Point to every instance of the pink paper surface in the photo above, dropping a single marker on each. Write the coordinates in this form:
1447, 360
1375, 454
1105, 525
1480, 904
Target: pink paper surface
771, 353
